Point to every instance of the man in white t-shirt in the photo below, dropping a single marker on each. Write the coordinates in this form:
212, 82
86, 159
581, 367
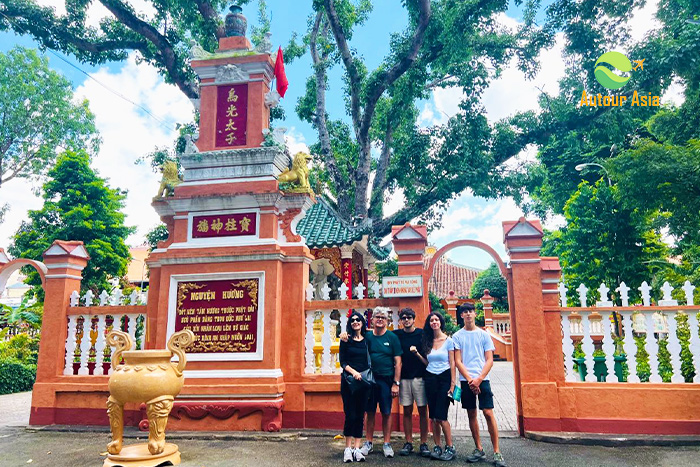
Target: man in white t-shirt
474, 359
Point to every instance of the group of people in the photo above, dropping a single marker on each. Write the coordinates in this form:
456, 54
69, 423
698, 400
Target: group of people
421, 366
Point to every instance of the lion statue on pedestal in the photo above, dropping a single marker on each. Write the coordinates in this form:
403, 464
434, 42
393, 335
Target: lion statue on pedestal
298, 175
170, 180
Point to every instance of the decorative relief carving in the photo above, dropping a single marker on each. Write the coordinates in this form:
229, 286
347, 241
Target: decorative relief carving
286, 220
231, 74
271, 412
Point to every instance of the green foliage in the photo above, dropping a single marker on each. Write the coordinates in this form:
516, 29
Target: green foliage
25, 318
604, 241
388, 268
157, 234
436, 307
642, 359
497, 286
15, 376
21, 348
78, 205
39, 116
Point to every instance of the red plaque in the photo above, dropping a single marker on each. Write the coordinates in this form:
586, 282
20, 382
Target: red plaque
224, 225
222, 314
231, 115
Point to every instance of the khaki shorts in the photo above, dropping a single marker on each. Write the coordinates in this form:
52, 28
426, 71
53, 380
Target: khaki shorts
412, 390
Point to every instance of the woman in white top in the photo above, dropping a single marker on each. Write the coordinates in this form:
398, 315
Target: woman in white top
440, 379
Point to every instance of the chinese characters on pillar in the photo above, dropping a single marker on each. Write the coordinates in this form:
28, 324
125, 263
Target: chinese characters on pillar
223, 315
231, 115
347, 276
224, 225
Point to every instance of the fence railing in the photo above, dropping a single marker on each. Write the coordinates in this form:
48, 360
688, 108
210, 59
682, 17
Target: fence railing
501, 324
327, 319
87, 351
644, 343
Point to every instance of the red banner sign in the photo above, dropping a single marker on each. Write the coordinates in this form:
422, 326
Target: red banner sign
231, 115
224, 225
222, 314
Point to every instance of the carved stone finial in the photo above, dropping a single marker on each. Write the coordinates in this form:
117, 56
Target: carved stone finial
235, 24
265, 45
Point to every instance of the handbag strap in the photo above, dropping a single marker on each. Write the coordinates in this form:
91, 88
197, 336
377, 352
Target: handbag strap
369, 362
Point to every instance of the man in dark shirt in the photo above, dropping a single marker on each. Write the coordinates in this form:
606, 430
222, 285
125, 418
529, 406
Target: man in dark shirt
412, 388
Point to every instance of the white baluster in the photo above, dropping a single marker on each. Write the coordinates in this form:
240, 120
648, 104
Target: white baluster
568, 347
131, 330
104, 298
645, 289
326, 292
310, 342
376, 289
582, 292
85, 346
100, 344
562, 294
309, 292
674, 348
668, 299
624, 294
326, 343
360, 291
688, 289
394, 319
694, 342
74, 298
604, 300
343, 322
134, 297
630, 347
117, 297
343, 291
608, 348
144, 298
88, 297
587, 345
70, 344
652, 348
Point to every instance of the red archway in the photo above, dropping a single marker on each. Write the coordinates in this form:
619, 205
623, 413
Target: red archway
7, 269
474, 243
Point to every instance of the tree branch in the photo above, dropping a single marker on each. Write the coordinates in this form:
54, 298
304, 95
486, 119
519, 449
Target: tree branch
379, 183
211, 16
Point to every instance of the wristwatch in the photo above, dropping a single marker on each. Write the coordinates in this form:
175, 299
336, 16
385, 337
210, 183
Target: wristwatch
397, 383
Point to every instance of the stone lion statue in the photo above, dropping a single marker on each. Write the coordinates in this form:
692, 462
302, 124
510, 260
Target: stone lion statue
170, 180
298, 175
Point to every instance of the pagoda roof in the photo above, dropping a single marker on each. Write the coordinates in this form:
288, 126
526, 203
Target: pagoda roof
322, 227
449, 276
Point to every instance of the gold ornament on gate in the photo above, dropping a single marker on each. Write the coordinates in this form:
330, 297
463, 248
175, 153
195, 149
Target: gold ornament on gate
145, 376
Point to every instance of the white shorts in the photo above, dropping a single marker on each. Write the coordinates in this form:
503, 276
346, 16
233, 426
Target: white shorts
412, 390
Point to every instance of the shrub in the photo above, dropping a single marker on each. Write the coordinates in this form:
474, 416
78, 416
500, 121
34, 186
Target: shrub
15, 376
22, 348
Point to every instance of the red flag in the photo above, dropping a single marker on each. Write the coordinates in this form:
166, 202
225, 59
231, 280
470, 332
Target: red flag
280, 75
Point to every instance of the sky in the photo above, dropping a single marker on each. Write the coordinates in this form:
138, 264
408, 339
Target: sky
129, 133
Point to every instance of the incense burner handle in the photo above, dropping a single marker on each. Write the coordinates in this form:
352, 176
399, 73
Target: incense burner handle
177, 344
120, 340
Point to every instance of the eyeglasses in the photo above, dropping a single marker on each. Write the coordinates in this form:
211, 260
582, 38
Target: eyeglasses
407, 317
355, 320
380, 317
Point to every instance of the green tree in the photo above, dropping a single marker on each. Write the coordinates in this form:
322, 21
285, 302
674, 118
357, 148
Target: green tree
604, 241
78, 205
497, 285
157, 234
451, 325
25, 318
38, 116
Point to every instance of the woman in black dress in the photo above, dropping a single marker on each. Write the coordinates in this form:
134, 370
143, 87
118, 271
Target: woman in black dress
354, 359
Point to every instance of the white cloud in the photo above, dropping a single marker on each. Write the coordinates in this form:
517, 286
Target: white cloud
644, 20
96, 11
296, 142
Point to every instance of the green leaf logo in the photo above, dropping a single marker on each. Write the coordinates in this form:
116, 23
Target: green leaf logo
607, 78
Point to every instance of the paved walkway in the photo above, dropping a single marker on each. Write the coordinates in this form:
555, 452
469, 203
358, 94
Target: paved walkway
503, 387
15, 408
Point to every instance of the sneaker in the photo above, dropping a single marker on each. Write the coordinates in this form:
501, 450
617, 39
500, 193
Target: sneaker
437, 452
366, 448
448, 454
476, 455
347, 455
359, 457
388, 450
406, 450
498, 460
424, 451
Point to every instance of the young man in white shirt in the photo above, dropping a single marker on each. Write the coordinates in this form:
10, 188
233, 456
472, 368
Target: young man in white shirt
474, 360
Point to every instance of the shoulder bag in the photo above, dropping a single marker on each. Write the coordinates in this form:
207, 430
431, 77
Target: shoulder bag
367, 380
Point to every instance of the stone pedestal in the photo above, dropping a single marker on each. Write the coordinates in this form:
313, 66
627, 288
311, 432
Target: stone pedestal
137, 455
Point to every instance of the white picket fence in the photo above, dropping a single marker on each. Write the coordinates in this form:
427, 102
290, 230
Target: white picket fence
88, 326
593, 325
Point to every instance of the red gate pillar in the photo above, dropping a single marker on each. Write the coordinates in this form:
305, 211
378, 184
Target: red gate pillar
537, 357
409, 244
64, 263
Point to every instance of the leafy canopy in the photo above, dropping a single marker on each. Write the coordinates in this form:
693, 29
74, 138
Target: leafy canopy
78, 205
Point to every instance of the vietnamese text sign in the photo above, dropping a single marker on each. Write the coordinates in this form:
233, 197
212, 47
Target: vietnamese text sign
402, 286
224, 225
222, 314
231, 115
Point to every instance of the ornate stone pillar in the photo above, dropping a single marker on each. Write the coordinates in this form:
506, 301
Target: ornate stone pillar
409, 244
346, 268
487, 301
452, 301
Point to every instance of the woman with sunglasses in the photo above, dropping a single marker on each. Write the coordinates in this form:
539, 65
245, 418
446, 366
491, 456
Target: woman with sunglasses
354, 359
440, 379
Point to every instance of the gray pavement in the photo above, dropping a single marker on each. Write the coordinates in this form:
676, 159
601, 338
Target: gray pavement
14, 409
19, 446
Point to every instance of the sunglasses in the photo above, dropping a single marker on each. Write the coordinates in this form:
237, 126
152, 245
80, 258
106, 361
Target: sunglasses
380, 317
407, 317
355, 320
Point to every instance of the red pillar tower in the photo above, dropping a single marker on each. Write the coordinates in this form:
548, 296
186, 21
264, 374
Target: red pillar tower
409, 244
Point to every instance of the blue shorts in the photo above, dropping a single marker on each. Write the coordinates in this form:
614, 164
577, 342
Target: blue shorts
380, 394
